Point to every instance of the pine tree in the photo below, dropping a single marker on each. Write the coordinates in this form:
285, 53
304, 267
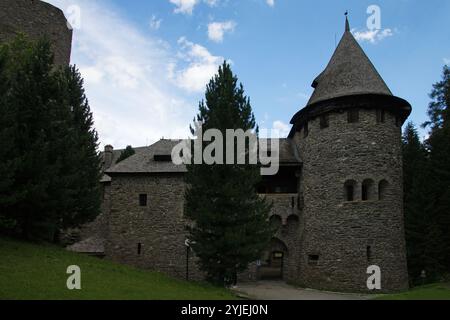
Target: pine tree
230, 228
49, 157
80, 159
415, 168
438, 145
125, 154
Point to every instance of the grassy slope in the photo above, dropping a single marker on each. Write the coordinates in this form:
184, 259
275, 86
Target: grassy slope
29, 271
429, 292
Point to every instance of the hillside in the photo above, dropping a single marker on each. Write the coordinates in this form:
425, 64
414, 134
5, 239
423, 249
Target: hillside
29, 271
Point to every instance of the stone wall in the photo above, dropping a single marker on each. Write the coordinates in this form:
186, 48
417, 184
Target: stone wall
340, 232
159, 227
36, 19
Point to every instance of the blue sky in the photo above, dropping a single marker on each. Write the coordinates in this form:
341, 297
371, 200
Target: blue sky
146, 63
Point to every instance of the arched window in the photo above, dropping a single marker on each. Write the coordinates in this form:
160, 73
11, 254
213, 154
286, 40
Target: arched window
349, 190
275, 221
367, 190
382, 189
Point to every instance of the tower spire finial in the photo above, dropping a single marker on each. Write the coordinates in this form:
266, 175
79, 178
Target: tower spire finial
347, 24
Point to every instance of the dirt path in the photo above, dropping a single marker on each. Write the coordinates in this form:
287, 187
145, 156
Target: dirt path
274, 290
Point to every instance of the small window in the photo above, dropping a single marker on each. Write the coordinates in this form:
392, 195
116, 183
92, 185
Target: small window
353, 116
324, 121
313, 259
139, 249
369, 253
381, 116
293, 202
349, 188
163, 158
306, 130
367, 190
143, 200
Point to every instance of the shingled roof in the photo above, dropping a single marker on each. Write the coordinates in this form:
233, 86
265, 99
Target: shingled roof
144, 159
349, 72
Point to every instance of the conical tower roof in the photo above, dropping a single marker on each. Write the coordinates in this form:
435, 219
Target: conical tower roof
348, 73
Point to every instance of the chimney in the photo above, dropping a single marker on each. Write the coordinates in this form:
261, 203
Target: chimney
108, 157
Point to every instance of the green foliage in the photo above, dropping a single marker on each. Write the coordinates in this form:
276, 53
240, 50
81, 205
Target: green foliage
230, 228
48, 159
427, 189
125, 154
38, 272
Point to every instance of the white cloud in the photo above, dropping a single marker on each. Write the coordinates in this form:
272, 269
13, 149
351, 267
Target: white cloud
201, 67
446, 61
187, 6
155, 23
282, 128
131, 93
184, 6
216, 30
271, 2
372, 36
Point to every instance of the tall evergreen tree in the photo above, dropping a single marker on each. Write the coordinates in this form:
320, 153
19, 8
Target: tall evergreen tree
230, 228
49, 159
439, 174
415, 199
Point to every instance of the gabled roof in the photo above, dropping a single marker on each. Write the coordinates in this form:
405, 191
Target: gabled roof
349, 72
144, 159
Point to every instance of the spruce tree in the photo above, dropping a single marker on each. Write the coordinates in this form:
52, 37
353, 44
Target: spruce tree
438, 145
125, 154
49, 162
415, 198
229, 220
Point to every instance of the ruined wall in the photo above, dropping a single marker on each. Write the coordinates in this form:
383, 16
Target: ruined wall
338, 231
36, 19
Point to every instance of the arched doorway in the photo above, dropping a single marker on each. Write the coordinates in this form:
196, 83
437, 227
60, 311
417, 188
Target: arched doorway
273, 261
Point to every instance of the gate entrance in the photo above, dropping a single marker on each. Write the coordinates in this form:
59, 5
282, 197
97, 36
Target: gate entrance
272, 267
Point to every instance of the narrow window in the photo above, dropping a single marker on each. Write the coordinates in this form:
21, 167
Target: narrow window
349, 189
313, 259
306, 130
143, 200
324, 121
293, 202
367, 190
381, 116
353, 116
139, 249
365, 193
369, 253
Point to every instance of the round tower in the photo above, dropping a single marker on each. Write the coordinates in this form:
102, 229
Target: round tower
37, 19
349, 137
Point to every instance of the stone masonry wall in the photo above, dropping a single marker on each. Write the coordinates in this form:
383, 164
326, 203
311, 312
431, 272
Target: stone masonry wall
342, 233
159, 227
36, 19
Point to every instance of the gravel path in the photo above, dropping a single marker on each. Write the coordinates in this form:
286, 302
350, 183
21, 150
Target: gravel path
275, 290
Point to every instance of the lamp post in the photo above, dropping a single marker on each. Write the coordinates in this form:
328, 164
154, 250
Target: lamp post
188, 247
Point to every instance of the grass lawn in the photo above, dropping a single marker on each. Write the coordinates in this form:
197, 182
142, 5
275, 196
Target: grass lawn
29, 271
438, 291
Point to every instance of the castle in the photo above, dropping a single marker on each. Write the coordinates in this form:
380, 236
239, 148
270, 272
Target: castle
337, 198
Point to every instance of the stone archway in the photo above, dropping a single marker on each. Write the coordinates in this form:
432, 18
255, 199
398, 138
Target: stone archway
273, 261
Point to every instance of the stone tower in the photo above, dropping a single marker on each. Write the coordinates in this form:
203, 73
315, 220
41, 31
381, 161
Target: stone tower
37, 19
349, 137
